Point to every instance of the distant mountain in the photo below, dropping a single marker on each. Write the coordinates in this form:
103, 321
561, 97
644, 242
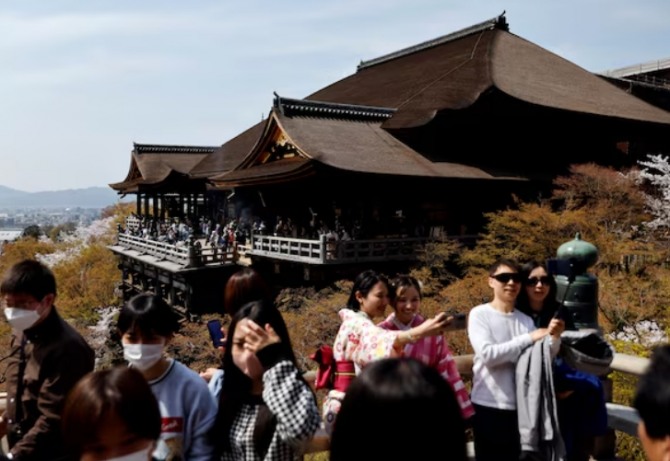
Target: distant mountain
90, 197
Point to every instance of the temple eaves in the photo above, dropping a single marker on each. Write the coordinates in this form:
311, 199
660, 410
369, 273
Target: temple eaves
304, 107
171, 149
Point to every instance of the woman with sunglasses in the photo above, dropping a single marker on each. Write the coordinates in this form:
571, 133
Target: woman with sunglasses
579, 399
499, 334
538, 298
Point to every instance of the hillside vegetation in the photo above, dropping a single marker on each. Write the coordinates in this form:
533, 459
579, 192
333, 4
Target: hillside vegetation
610, 209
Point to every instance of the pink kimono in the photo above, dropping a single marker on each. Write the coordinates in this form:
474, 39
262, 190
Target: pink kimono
360, 341
434, 351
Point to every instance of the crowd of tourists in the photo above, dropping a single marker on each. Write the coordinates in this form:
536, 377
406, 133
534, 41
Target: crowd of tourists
225, 232
398, 375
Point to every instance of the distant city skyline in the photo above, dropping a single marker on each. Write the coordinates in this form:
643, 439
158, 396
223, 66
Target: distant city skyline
82, 81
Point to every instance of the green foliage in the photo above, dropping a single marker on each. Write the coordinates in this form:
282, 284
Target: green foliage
33, 231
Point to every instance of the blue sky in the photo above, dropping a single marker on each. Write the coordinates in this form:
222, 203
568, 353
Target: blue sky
80, 81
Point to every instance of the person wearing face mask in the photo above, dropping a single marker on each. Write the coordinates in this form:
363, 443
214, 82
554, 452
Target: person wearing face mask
146, 325
47, 357
111, 415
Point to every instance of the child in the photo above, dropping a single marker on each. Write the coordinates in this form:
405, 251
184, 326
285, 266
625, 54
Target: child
147, 324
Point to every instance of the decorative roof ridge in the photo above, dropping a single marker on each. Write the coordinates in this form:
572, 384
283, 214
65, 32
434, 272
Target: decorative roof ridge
172, 149
499, 22
288, 106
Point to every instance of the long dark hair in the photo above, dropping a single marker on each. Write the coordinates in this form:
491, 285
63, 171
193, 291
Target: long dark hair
236, 389
549, 305
363, 284
398, 391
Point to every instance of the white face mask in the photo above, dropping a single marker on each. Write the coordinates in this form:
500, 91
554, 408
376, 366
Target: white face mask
142, 455
143, 356
21, 319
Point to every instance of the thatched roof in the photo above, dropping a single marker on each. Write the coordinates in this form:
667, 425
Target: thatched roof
454, 71
354, 124
152, 164
339, 136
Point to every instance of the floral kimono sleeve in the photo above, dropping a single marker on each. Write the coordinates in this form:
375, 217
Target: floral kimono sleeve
375, 343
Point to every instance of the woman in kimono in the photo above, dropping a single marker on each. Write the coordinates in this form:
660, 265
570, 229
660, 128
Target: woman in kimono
433, 351
359, 341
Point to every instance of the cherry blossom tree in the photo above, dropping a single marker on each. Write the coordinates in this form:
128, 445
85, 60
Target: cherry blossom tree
656, 172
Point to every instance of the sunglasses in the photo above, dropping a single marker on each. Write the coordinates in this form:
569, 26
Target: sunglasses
505, 277
544, 280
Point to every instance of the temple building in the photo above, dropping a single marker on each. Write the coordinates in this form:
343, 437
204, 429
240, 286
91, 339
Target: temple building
414, 145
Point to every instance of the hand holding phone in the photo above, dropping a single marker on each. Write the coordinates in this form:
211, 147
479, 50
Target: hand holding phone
216, 333
457, 321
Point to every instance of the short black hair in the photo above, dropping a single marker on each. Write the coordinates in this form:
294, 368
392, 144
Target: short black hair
149, 313
30, 277
511, 263
652, 398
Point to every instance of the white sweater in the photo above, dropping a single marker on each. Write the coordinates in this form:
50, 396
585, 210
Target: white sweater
498, 339
188, 410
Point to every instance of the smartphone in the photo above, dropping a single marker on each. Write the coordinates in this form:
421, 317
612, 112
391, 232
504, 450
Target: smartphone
458, 321
214, 327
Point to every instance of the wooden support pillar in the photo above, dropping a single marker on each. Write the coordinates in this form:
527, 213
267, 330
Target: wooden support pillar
154, 200
146, 205
138, 205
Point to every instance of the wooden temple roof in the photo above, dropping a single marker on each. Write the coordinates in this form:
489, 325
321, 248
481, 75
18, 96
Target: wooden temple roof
152, 164
350, 124
301, 136
454, 71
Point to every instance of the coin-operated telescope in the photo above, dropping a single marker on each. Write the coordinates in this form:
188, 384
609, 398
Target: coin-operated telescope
576, 289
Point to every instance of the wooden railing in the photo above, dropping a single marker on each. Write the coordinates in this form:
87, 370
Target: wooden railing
191, 254
619, 417
324, 251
